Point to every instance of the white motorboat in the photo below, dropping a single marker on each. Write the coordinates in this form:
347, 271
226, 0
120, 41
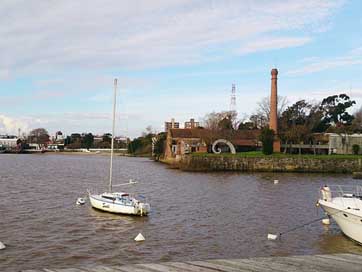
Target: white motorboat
118, 202
344, 205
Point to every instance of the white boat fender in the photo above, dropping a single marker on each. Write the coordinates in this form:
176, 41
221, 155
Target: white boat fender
326, 221
80, 201
272, 236
326, 193
139, 238
276, 181
2, 246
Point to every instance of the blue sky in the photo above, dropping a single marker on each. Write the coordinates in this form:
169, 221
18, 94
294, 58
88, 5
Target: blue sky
172, 58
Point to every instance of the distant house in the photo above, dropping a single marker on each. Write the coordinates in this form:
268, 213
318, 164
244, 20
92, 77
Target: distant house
343, 143
187, 140
327, 143
8, 141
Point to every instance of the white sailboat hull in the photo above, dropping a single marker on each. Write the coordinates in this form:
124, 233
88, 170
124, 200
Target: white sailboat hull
349, 220
98, 202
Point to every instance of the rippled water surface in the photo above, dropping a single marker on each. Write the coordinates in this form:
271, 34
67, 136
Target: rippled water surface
194, 215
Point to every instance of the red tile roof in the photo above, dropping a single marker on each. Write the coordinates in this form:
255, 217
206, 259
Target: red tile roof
238, 137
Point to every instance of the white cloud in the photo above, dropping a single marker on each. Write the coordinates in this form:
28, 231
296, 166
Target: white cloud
4, 74
264, 44
313, 64
10, 125
50, 35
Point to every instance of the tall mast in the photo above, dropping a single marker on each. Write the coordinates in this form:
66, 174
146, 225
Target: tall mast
113, 125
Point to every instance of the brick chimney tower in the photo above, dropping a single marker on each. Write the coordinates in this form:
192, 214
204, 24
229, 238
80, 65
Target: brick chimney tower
273, 123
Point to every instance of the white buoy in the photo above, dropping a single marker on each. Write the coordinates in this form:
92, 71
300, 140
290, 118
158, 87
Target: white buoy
139, 238
276, 181
131, 181
80, 201
2, 246
272, 236
326, 221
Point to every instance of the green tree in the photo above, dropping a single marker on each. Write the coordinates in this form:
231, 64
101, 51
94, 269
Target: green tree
293, 124
357, 121
107, 138
67, 141
355, 149
87, 140
39, 136
267, 138
159, 145
335, 109
142, 145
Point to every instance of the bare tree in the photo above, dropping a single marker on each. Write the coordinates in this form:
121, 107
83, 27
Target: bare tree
357, 121
263, 109
220, 120
38, 136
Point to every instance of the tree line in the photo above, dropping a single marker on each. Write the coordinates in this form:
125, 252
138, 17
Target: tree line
301, 122
41, 137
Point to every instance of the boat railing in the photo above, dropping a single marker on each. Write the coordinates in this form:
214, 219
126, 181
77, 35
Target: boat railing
346, 190
351, 192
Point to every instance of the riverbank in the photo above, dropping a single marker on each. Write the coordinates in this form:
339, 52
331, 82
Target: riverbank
257, 162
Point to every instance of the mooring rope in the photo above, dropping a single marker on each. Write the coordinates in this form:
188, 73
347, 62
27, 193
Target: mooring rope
308, 223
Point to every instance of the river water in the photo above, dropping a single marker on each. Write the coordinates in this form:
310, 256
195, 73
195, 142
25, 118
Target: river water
194, 215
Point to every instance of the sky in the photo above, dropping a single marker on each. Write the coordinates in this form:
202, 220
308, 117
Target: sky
173, 59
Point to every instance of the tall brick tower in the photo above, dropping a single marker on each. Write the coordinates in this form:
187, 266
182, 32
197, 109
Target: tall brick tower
273, 123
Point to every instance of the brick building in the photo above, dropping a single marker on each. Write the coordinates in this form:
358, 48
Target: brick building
184, 141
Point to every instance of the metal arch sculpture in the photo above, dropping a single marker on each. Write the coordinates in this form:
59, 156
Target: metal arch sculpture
218, 150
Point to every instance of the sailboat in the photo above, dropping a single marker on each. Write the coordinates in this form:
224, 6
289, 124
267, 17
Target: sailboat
117, 202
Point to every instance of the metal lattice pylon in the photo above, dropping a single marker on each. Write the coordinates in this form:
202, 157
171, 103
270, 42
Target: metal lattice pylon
233, 98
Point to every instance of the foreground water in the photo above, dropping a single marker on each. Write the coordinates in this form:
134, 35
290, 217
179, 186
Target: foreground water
194, 215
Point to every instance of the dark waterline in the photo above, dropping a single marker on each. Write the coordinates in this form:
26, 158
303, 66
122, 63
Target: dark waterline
194, 215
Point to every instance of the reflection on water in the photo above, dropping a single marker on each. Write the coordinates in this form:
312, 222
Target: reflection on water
194, 215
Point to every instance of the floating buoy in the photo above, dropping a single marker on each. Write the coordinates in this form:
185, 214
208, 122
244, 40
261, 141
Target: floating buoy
139, 238
2, 246
276, 181
326, 221
80, 201
272, 236
131, 181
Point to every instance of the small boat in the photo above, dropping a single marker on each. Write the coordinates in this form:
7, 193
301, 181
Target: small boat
118, 202
344, 205
80, 201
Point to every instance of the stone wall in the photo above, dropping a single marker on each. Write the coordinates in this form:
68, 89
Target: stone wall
270, 164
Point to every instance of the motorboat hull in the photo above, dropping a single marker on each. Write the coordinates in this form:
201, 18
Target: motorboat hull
348, 220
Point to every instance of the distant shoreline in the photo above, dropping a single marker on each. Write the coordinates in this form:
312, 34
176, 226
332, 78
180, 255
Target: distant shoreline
78, 153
